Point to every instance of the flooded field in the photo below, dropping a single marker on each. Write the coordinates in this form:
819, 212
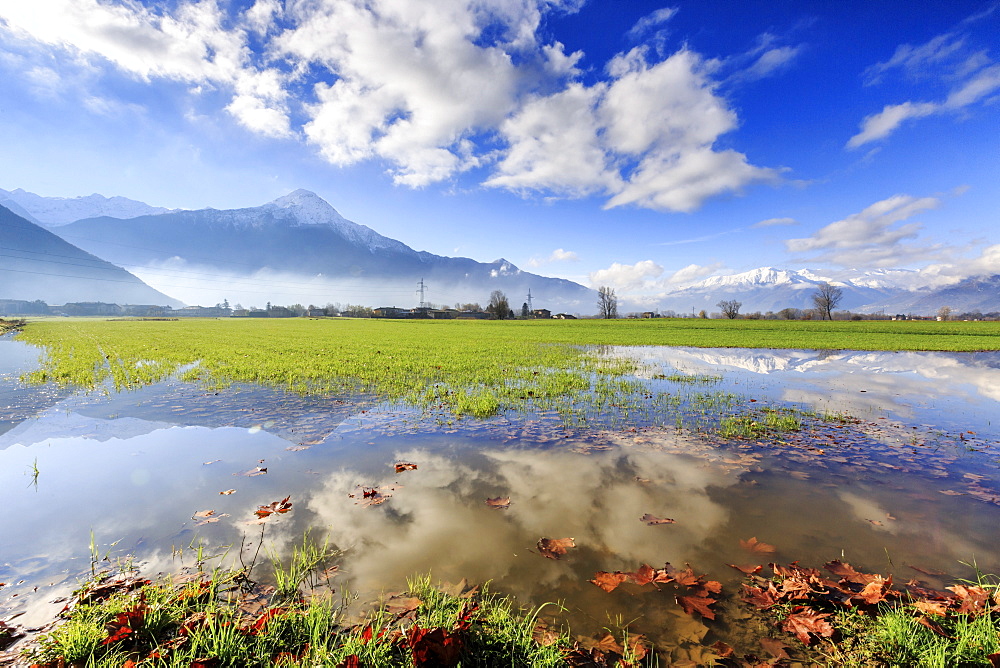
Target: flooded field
889, 461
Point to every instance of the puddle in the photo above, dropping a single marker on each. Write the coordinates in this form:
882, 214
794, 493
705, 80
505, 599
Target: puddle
905, 484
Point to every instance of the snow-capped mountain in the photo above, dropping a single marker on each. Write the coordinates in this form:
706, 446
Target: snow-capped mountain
55, 211
300, 239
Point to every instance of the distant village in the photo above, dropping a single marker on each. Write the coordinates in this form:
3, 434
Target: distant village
18, 307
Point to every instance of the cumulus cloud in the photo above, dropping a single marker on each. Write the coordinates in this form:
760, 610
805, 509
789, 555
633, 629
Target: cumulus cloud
626, 276
951, 60
558, 255
435, 89
772, 222
692, 273
873, 237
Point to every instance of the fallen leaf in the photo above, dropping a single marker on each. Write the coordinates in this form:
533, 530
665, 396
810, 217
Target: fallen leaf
755, 546
699, 604
203, 513
609, 581
775, 648
405, 466
653, 521
257, 470
297, 448
722, 649
282, 506
747, 569
933, 626
802, 621
554, 548
499, 502
228, 492
927, 571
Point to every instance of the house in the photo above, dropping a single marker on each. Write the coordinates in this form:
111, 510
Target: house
564, 316
91, 308
541, 313
389, 312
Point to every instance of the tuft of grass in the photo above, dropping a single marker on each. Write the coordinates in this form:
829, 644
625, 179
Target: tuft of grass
768, 422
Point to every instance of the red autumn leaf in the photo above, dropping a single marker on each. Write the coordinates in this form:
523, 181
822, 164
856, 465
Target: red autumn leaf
974, 599
722, 649
653, 521
203, 513
762, 599
405, 466
933, 626
685, 577
125, 623
994, 659
498, 502
756, 547
643, 575
802, 621
699, 604
775, 648
847, 572
209, 662
876, 591
747, 569
282, 506
433, 647
228, 492
931, 608
263, 619
554, 548
609, 581
351, 661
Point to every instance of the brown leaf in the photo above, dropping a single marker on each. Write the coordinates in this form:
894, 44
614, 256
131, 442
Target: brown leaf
747, 569
699, 604
722, 649
643, 575
297, 448
227, 492
775, 648
931, 608
203, 513
405, 466
434, 647
543, 634
609, 581
756, 547
876, 591
653, 521
400, 605
933, 626
554, 548
607, 643
257, 470
973, 599
994, 659
802, 621
847, 572
282, 506
927, 571
498, 502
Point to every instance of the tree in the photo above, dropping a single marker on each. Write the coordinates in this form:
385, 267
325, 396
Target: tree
524, 310
730, 308
826, 299
944, 313
498, 307
607, 302
789, 313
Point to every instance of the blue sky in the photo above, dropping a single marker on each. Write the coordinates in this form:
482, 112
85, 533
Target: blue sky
614, 142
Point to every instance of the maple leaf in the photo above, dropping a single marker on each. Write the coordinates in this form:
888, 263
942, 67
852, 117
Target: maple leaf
931, 608
543, 634
203, 513
847, 572
653, 521
282, 506
227, 492
351, 661
554, 548
760, 598
255, 627
685, 577
607, 643
755, 546
802, 621
877, 590
699, 604
435, 647
722, 649
405, 466
775, 648
933, 626
401, 605
609, 581
498, 502
643, 575
747, 569
973, 599
257, 470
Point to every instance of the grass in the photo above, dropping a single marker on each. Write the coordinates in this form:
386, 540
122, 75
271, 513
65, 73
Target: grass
767, 422
207, 619
467, 367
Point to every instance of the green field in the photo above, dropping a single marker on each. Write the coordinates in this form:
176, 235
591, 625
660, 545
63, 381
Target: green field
472, 367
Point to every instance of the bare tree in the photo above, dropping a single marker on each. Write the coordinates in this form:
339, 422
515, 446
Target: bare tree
499, 307
944, 313
730, 308
826, 299
607, 302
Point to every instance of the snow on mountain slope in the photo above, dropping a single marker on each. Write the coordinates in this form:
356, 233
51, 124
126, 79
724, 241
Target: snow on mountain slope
55, 211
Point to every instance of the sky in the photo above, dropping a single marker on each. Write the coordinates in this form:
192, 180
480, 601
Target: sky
627, 143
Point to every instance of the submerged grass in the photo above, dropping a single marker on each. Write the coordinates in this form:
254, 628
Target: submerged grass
469, 367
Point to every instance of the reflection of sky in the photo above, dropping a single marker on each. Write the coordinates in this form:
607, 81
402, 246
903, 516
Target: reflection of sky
948, 390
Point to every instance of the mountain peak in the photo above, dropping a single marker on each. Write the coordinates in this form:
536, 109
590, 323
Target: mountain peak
308, 208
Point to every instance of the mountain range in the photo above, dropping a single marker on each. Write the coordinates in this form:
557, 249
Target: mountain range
38, 265
298, 248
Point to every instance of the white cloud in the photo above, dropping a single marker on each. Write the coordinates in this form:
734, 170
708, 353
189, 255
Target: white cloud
651, 20
691, 274
772, 222
872, 238
626, 276
950, 59
558, 255
433, 89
